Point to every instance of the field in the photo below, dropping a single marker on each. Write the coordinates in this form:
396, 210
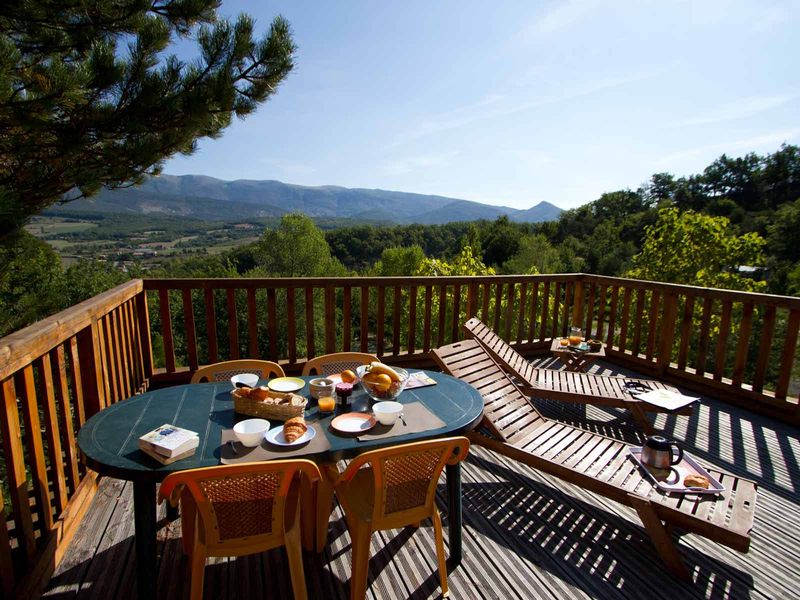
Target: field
47, 226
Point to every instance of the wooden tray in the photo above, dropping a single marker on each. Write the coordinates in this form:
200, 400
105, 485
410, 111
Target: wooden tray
676, 473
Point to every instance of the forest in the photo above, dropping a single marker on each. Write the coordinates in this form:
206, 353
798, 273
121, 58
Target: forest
736, 225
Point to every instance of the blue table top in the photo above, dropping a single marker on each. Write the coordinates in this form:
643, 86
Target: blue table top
109, 439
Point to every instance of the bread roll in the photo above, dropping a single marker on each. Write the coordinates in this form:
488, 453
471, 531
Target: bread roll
294, 428
259, 393
696, 481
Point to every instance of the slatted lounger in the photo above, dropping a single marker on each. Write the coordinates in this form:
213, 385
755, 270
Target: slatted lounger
595, 462
567, 386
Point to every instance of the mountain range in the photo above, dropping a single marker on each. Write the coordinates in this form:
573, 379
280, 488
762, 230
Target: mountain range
207, 198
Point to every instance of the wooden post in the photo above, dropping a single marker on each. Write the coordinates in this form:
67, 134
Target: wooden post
668, 316
577, 301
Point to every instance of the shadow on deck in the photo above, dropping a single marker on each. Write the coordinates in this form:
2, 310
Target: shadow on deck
525, 533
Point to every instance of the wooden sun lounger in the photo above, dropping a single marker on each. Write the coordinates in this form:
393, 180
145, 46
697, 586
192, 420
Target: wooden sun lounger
567, 386
595, 462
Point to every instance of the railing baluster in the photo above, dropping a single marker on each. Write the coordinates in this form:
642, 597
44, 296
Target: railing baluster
705, 325
685, 331
330, 320
381, 318
745, 329
652, 330
33, 440
456, 317
668, 318
787, 355
532, 317
143, 324
509, 317
566, 312
556, 305
16, 476
272, 326
764, 348
523, 296
211, 325
472, 300
363, 322
252, 323
57, 357
411, 342
625, 318
309, 296
122, 353
166, 330
52, 431
191, 333
590, 310
291, 325
347, 318
545, 309
74, 371
498, 305
442, 312
426, 319
486, 293
722, 340
233, 324
612, 316
396, 309
601, 313
109, 352
637, 327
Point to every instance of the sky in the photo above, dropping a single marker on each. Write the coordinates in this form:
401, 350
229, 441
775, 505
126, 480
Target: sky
513, 103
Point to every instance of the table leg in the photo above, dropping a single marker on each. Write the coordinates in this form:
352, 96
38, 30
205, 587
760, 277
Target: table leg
454, 512
144, 516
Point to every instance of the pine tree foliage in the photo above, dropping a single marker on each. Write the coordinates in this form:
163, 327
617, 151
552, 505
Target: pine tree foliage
89, 96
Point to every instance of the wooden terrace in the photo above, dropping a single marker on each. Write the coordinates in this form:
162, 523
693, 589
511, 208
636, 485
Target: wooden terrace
66, 532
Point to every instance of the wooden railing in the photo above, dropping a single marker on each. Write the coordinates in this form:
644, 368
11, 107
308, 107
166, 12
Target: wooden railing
739, 347
54, 375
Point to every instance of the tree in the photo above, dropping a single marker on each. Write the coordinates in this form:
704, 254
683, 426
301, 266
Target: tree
536, 255
696, 249
500, 241
398, 260
79, 112
297, 248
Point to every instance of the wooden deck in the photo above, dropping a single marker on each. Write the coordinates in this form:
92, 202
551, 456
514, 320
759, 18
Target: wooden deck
526, 535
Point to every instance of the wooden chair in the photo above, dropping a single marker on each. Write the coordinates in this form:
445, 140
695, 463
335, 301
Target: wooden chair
331, 364
234, 510
390, 488
223, 371
513, 427
566, 386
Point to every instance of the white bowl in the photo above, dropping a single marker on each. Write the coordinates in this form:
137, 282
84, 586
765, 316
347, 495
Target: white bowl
387, 412
251, 431
248, 379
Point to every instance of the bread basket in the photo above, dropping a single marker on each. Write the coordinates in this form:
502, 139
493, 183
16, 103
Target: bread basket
278, 406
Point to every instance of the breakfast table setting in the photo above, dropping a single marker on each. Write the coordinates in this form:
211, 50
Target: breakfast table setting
325, 424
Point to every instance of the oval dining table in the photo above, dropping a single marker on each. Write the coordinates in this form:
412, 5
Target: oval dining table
109, 445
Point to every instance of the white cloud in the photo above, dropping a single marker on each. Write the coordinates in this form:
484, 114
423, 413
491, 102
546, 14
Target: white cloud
738, 109
498, 105
559, 18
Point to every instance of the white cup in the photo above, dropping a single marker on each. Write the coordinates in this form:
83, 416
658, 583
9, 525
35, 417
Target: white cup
387, 412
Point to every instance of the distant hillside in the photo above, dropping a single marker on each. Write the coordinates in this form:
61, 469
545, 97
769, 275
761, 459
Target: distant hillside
201, 197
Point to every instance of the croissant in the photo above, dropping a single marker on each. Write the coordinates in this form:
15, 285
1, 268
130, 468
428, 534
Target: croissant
294, 428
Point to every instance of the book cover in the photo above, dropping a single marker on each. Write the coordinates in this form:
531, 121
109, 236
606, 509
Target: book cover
418, 380
169, 440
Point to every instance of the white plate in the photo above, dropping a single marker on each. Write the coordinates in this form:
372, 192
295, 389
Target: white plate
286, 384
275, 436
353, 423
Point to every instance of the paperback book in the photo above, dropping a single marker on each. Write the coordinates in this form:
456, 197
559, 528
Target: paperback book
169, 441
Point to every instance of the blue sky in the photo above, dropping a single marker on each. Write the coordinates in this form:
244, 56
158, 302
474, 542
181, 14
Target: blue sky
515, 102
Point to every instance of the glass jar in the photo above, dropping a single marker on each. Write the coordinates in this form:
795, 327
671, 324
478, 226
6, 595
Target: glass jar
575, 336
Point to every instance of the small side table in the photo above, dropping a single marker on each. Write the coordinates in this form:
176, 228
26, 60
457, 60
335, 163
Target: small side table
576, 360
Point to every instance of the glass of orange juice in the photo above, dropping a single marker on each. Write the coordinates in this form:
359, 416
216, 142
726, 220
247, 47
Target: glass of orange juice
326, 404
575, 336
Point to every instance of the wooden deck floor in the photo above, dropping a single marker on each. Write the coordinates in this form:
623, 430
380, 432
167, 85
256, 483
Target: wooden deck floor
526, 534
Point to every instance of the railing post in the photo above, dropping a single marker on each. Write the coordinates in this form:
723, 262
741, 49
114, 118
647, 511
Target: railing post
577, 303
92, 375
145, 338
668, 317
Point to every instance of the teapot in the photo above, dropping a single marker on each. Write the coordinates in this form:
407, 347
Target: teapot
658, 452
